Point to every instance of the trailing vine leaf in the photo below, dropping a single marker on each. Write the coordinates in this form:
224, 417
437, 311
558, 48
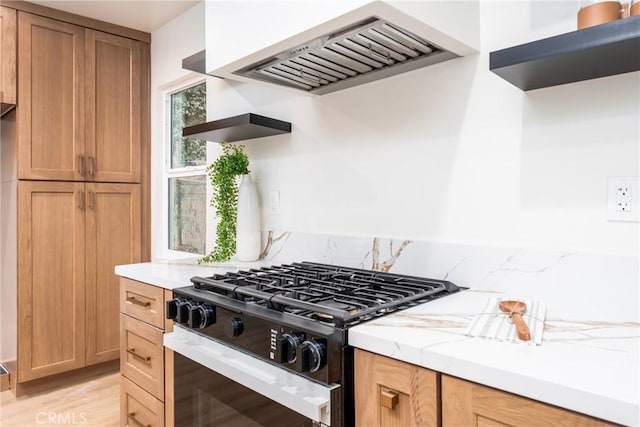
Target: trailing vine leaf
222, 173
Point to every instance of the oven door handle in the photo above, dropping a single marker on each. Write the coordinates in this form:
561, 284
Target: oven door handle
309, 398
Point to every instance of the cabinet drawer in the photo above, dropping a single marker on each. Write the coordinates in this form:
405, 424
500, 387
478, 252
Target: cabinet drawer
465, 403
139, 408
392, 393
142, 355
142, 301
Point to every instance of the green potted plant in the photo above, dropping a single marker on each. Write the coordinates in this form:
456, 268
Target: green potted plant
223, 173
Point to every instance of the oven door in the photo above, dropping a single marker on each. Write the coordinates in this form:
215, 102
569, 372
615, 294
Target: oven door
216, 385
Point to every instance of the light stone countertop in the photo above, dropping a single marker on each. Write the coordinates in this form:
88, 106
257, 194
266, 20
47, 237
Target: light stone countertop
177, 274
588, 361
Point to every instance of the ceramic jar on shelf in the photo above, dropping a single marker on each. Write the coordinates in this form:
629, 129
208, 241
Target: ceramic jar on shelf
596, 12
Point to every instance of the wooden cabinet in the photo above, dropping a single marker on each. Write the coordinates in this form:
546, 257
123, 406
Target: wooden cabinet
142, 355
139, 408
51, 90
75, 184
8, 48
468, 404
146, 366
51, 291
70, 236
112, 238
142, 301
112, 102
393, 393
80, 119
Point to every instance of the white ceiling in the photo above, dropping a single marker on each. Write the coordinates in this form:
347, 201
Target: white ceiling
143, 15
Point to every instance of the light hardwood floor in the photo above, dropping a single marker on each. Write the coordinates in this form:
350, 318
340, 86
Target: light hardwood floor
94, 402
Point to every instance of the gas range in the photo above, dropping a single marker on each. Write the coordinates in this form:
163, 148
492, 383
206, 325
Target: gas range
296, 316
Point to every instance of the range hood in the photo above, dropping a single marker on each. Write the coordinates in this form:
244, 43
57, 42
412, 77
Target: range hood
369, 43
367, 51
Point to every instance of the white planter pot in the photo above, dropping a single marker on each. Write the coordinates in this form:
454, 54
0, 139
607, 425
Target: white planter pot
248, 221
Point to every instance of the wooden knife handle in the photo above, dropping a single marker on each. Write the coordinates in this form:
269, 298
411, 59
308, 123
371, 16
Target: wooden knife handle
521, 327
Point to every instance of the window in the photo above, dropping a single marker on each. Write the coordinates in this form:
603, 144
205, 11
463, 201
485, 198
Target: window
188, 108
186, 172
187, 214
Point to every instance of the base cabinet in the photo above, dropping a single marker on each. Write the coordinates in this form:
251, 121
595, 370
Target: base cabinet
146, 367
391, 393
469, 404
143, 356
139, 408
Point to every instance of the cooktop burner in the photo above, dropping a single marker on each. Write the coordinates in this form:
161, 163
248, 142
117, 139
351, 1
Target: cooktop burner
341, 296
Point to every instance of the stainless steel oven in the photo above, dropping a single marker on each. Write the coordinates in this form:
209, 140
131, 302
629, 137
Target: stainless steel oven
217, 385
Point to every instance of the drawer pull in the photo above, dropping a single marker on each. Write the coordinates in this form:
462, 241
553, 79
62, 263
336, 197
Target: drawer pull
133, 300
132, 417
389, 399
145, 359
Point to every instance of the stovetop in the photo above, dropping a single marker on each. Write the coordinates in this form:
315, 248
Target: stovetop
334, 295
297, 315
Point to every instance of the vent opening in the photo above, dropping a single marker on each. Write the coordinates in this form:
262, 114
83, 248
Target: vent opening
367, 51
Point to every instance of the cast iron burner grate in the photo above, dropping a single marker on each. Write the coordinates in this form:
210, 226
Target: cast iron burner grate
341, 296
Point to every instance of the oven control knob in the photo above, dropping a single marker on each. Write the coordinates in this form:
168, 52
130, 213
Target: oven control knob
312, 355
184, 310
202, 315
234, 327
172, 307
288, 345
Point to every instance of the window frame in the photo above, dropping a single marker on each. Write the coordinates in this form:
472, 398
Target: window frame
169, 173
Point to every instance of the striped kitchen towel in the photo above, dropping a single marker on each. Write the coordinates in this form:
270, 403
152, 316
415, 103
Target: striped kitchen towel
494, 324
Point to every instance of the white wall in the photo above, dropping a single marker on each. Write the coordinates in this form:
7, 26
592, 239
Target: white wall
451, 152
179, 38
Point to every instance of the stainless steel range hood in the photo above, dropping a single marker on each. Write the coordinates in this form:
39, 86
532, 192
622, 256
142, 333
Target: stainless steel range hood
367, 51
372, 42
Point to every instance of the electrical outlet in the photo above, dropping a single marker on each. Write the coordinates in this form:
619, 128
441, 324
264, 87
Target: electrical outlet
623, 206
274, 203
621, 194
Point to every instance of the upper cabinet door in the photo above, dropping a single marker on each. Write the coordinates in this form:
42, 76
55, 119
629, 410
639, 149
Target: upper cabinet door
113, 107
7, 56
51, 93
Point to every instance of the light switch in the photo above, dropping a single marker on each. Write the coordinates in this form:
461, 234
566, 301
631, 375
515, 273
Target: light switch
274, 203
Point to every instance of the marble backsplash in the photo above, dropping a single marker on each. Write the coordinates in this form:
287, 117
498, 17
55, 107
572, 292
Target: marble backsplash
609, 283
